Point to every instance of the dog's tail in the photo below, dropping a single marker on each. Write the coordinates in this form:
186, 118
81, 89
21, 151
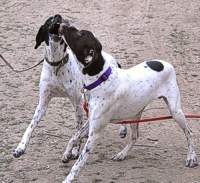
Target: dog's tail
119, 65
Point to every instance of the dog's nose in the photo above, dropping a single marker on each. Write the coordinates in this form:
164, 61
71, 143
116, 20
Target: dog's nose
57, 16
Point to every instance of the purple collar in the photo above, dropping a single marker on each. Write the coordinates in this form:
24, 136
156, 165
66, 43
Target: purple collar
104, 77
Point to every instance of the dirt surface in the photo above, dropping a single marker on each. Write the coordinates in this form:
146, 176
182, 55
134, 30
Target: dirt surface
131, 31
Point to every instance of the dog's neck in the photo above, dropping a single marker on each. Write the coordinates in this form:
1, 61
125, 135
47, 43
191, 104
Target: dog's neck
55, 51
97, 67
97, 70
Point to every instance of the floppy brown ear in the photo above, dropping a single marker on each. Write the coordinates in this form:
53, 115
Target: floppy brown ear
40, 37
95, 56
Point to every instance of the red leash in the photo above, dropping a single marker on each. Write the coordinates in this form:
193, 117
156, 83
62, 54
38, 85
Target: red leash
85, 108
146, 120
158, 118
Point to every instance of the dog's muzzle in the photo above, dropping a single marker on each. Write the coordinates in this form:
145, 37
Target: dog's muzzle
53, 29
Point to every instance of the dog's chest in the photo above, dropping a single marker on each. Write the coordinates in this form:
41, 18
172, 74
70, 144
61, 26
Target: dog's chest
67, 83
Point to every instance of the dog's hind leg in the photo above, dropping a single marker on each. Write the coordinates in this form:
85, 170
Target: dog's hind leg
122, 128
76, 139
173, 102
39, 113
79, 119
133, 137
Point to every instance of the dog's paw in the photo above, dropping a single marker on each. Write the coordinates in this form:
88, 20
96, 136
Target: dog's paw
73, 157
118, 157
67, 181
18, 152
66, 158
122, 134
64, 161
123, 131
191, 162
75, 153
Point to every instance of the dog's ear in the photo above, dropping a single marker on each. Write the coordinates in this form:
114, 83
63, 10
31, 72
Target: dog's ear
40, 37
92, 57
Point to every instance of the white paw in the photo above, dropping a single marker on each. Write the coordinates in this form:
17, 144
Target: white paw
118, 157
123, 131
19, 150
66, 158
75, 153
67, 181
191, 162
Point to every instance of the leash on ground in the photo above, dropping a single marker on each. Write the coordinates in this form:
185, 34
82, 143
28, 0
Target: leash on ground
17, 71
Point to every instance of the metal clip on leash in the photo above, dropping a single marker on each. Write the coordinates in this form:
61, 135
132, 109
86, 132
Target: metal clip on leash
84, 91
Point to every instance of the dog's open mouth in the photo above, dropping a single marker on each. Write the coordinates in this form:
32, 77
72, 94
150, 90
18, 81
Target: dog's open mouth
88, 62
53, 31
88, 59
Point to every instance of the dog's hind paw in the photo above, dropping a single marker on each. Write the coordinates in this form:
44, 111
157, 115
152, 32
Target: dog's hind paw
118, 157
66, 158
123, 131
70, 156
191, 162
122, 134
18, 152
73, 157
64, 161
75, 153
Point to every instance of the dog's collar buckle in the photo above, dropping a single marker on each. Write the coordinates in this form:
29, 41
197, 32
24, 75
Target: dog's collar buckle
103, 78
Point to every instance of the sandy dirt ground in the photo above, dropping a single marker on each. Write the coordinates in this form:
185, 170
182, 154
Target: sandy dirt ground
131, 31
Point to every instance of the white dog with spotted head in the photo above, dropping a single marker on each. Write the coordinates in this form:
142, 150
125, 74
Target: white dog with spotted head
60, 77
115, 95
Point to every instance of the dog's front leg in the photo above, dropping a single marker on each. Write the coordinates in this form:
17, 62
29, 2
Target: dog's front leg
76, 139
96, 128
39, 113
88, 148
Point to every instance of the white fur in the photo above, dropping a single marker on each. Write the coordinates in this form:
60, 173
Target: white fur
124, 96
67, 83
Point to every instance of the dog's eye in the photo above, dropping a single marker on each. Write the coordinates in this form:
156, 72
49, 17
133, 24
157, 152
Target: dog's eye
91, 52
